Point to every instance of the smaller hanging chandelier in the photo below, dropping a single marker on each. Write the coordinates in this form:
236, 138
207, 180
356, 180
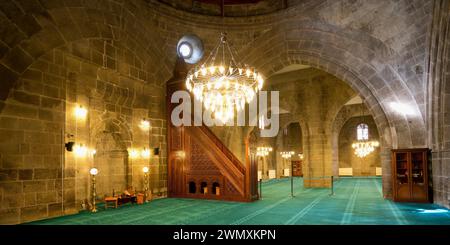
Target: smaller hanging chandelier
363, 146
287, 154
263, 151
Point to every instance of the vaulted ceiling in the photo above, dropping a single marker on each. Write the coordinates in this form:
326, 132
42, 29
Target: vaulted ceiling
227, 7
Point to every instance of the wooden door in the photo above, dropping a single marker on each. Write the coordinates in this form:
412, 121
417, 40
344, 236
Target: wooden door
418, 176
297, 168
410, 170
401, 179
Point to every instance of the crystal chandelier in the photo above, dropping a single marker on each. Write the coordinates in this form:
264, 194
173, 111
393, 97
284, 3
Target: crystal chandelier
287, 154
222, 84
263, 151
363, 146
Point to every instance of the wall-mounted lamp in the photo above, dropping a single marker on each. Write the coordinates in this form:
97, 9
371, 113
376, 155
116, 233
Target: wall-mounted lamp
144, 125
80, 150
145, 153
133, 153
80, 112
93, 173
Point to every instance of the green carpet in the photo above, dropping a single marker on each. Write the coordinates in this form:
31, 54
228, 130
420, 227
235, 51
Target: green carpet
357, 201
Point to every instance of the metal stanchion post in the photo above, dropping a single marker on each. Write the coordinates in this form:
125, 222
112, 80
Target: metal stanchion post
332, 186
292, 181
260, 189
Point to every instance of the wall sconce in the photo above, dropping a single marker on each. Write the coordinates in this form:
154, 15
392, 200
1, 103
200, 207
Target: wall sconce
144, 125
93, 173
145, 153
80, 150
93, 152
80, 112
133, 153
301, 156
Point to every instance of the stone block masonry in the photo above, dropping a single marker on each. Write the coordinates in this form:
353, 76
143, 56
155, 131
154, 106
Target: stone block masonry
114, 57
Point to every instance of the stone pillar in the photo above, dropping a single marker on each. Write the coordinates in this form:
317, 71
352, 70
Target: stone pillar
317, 162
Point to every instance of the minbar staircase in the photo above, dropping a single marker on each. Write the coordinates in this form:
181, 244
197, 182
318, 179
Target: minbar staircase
199, 164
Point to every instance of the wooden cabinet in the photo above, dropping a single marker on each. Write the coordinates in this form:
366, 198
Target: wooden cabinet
297, 168
410, 169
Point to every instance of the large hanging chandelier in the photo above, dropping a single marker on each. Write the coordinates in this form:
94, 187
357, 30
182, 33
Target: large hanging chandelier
222, 84
363, 146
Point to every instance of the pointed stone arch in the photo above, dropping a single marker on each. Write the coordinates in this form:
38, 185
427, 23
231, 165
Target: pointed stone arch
320, 46
40, 27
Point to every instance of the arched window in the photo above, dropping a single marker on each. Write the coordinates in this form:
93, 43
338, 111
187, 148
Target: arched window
362, 132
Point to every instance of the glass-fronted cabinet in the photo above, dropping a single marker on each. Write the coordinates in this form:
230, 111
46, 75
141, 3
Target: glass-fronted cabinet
410, 175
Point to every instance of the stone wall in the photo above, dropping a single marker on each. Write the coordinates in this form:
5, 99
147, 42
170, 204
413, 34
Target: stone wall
439, 101
49, 60
39, 177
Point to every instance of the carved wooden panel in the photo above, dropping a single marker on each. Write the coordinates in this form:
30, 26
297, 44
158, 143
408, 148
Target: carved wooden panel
176, 139
200, 162
230, 190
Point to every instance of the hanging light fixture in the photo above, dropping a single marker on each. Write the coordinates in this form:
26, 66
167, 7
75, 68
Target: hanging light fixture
145, 153
223, 84
287, 154
263, 151
80, 112
363, 146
